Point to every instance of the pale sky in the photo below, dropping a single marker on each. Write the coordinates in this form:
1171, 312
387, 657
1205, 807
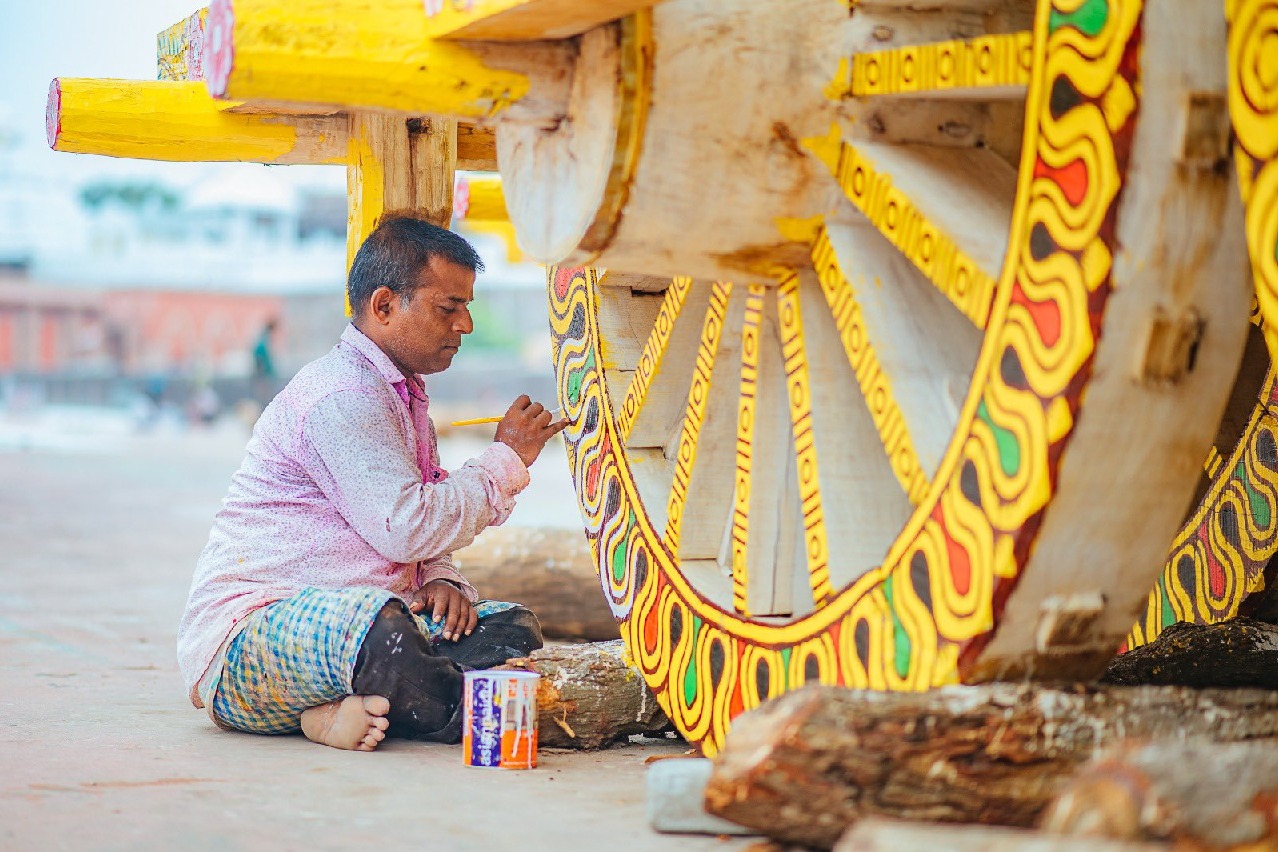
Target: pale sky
43, 39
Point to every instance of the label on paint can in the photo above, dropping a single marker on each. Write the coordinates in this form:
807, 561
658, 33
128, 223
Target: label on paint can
500, 716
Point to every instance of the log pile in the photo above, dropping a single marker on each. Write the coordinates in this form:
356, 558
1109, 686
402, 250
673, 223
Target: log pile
1140, 759
806, 766
590, 696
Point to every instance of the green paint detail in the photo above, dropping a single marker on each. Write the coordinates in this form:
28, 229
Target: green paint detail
1169, 616
1259, 506
785, 672
619, 561
574, 386
619, 552
690, 675
576, 377
1009, 451
1276, 250
900, 639
1089, 18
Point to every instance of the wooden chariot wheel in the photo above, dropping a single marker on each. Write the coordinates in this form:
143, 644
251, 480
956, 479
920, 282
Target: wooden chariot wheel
952, 442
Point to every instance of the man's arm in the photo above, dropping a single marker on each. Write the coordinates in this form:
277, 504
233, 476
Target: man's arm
354, 446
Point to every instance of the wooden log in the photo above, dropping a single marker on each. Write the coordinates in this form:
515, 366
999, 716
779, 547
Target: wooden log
889, 835
523, 20
549, 571
807, 765
667, 165
179, 122
1196, 795
590, 696
1238, 652
360, 55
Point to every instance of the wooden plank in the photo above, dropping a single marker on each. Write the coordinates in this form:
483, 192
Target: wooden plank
697, 410
659, 419
351, 55
912, 353
764, 550
946, 209
987, 67
433, 155
179, 49
476, 148
379, 175
523, 20
799, 395
179, 122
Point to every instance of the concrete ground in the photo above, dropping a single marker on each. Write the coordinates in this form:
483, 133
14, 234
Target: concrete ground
99, 748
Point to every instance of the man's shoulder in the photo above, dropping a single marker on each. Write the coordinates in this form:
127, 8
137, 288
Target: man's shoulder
338, 372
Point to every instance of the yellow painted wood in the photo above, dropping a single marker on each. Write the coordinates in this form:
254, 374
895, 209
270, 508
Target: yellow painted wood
654, 351
179, 49
358, 54
876, 388
379, 175
523, 20
179, 122
695, 412
987, 66
480, 198
800, 395
969, 287
750, 344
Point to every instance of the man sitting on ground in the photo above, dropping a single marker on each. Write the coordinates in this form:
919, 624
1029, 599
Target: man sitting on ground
326, 599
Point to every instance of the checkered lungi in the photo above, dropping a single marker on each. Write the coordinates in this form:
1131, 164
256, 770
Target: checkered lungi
300, 652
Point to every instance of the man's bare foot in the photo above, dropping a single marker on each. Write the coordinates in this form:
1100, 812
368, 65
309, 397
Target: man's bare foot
356, 722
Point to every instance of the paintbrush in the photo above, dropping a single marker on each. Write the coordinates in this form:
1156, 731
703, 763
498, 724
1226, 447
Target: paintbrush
481, 420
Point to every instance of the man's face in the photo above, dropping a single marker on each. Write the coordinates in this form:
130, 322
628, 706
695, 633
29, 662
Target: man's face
425, 334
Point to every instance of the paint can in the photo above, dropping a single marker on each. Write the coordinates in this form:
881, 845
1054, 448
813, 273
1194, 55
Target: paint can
500, 716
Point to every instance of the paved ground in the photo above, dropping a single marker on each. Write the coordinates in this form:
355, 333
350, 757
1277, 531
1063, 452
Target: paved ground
99, 749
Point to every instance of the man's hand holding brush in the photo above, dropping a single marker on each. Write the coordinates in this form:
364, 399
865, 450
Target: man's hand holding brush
526, 427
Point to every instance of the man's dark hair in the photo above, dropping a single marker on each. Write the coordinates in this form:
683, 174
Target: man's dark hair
395, 253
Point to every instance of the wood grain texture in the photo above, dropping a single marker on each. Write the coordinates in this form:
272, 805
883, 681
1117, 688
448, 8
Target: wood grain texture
1194, 795
523, 20
179, 122
590, 696
360, 54
804, 767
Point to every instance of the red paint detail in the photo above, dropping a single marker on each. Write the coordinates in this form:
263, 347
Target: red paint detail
219, 47
1072, 179
592, 480
1215, 571
1046, 315
736, 704
563, 278
960, 563
650, 624
53, 113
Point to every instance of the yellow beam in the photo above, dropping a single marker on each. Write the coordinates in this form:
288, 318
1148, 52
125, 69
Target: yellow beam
480, 198
523, 20
179, 122
361, 55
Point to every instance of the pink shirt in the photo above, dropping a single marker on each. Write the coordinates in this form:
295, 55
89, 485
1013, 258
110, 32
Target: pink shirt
340, 487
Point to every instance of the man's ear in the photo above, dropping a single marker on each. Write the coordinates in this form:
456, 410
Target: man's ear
382, 305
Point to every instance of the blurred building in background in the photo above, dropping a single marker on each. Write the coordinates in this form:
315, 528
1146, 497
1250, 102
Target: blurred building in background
118, 288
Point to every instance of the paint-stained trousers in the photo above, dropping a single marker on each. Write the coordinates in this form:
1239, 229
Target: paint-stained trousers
324, 644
